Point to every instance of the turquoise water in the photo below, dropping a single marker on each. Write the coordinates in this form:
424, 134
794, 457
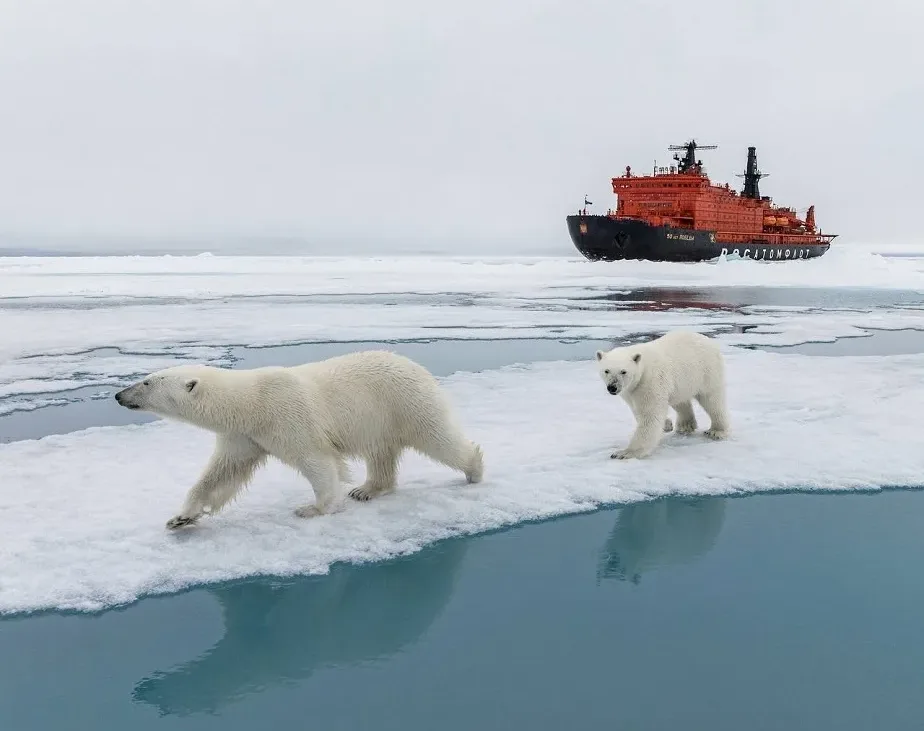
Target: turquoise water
769, 612
766, 612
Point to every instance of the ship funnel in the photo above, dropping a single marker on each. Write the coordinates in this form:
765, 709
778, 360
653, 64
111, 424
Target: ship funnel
752, 176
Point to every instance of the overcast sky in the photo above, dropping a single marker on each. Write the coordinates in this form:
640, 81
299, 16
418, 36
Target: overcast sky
417, 123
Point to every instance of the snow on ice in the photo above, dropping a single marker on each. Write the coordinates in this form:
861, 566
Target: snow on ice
82, 514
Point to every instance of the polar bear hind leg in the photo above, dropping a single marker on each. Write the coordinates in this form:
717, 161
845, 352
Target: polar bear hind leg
713, 403
453, 450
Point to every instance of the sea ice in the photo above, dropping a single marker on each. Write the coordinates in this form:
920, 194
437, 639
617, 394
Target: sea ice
214, 277
62, 317
82, 515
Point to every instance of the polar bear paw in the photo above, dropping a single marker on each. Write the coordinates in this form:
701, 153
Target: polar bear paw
182, 521
626, 454
366, 492
686, 427
313, 511
717, 434
668, 425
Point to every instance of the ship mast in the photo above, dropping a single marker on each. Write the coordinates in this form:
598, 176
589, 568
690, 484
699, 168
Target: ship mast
752, 176
688, 163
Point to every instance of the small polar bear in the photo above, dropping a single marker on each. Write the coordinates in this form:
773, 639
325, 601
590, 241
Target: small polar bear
669, 371
370, 404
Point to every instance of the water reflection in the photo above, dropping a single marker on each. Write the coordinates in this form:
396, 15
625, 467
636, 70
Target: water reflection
663, 299
731, 298
650, 535
277, 635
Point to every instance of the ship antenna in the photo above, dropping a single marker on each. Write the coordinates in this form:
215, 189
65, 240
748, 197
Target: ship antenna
689, 163
752, 176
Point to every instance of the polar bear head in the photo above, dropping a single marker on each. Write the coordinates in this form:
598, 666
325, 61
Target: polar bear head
173, 392
620, 369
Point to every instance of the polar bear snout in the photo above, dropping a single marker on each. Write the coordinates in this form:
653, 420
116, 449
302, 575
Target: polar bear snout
128, 397
613, 388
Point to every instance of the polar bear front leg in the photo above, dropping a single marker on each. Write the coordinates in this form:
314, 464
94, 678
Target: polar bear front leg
232, 465
648, 430
322, 472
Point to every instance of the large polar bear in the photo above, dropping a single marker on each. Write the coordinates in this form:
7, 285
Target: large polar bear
671, 370
312, 417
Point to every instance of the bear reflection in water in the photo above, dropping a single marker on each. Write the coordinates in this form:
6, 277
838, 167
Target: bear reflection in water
667, 532
279, 635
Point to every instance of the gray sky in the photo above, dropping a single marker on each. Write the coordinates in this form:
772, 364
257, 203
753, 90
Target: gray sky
468, 126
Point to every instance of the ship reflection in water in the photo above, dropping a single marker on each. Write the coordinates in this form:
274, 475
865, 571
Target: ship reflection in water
278, 635
736, 298
662, 298
653, 535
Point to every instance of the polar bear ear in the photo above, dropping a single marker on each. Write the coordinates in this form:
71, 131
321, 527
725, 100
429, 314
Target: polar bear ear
599, 355
636, 358
191, 384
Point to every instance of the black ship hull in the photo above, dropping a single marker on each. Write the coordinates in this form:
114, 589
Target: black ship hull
607, 239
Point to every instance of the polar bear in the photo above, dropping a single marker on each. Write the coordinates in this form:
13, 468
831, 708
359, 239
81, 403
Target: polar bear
312, 417
671, 370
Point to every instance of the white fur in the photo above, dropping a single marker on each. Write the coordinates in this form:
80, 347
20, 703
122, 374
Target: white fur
669, 371
372, 405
